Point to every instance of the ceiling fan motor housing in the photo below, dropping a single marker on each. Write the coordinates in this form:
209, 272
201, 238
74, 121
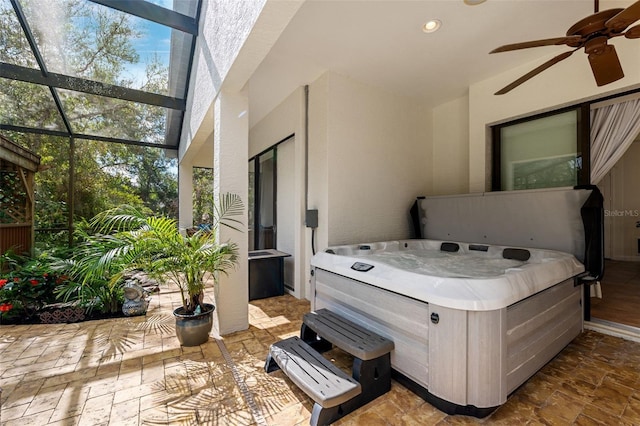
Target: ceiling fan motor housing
593, 23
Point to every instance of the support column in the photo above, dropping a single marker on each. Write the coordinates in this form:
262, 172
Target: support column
71, 196
231, 174
185, 195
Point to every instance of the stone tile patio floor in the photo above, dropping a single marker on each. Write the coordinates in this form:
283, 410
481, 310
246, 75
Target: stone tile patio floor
132, 371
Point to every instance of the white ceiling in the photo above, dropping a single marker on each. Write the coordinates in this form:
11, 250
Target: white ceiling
381, 43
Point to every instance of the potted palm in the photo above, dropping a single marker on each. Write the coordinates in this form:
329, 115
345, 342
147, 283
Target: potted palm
155, 245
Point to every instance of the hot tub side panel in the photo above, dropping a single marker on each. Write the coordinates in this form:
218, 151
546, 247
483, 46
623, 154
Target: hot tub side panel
470, 361
467, 358
399, 318
539, 327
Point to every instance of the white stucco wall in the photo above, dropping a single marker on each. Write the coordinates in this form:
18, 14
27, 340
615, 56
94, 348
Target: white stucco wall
566, 83
318, 168
318, 157
369, 157
234, 37
450, 157
230, 175
286, 218
281, 122
224, 28
377, 161
284, 120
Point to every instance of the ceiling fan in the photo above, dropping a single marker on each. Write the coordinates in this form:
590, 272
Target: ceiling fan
592, 33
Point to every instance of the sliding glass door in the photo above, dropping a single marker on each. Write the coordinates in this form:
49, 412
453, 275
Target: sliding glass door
262, 200
272, 201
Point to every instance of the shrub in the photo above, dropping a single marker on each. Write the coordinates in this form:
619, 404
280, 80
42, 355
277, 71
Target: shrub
27, 285
92, 286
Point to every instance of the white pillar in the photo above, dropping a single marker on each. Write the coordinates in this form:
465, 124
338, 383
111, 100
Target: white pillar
230, 165
185, 195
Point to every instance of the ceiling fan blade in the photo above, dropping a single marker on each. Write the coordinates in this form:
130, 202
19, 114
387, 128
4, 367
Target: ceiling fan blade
625, 18
606, 66
633, 32
558, 41
534, 72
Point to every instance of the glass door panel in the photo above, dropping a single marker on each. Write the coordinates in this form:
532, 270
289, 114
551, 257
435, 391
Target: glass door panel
252, 204
266, 201
541, 153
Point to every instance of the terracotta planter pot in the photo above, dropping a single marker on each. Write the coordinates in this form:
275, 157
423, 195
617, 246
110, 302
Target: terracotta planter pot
193, 330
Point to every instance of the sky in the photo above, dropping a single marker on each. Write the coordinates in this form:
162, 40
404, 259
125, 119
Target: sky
155, 38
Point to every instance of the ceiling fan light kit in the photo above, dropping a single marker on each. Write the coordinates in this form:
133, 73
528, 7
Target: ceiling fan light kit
591, 33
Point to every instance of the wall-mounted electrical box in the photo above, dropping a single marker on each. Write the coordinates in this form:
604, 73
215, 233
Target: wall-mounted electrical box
311, 218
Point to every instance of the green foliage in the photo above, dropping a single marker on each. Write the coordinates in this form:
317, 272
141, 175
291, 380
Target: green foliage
91, 286
96, 43
52, 240
96, 294
27, 285
202, 195
126, 240
13, 196
86, 40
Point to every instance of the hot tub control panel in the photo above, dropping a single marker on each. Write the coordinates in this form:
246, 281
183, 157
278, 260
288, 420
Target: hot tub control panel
361, 267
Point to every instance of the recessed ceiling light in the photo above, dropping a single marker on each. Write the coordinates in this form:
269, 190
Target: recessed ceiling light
474, 2
431, 26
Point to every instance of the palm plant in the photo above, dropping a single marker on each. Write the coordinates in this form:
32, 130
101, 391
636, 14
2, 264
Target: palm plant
95, 283
126, 241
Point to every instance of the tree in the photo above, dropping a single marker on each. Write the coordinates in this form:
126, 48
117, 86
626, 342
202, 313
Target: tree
96, 43
202, 195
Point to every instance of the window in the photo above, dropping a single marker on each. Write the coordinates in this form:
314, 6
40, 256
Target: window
544, 151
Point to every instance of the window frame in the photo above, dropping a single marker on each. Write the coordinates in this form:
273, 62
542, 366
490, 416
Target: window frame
256, 195
583, 142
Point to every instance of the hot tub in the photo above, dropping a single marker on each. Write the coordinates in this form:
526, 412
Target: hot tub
470, 322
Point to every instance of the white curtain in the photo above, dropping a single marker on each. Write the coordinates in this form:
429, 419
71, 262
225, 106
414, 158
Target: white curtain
613, 130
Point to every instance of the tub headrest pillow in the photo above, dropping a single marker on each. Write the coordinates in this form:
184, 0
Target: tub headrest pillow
516, 254
450, 247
